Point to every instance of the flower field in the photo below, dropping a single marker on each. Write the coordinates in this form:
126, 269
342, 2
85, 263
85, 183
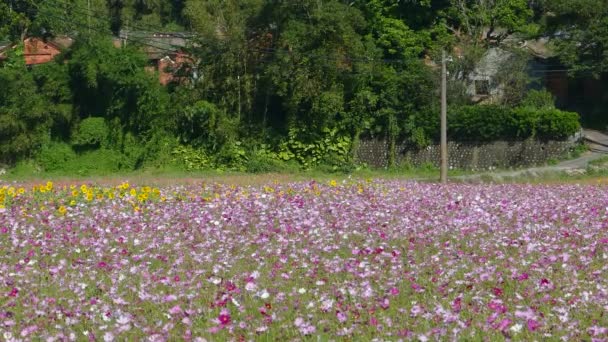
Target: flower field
351, 260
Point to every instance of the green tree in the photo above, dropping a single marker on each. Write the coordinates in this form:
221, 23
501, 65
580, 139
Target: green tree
580, 29
25, 120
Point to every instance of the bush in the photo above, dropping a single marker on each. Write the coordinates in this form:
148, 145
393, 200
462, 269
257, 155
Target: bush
100, 161
91, 132
539, 99
554, 124
480, 123
55, 156
490, 122
262, 160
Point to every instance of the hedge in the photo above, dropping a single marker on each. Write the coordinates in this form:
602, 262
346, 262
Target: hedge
492, 122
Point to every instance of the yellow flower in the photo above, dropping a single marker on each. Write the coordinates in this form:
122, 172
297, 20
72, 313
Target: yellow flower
83, 188
333, 183
137, 209
75, 193
49, 186
133, 192
110, 195
21, 191
72, 203
62, 210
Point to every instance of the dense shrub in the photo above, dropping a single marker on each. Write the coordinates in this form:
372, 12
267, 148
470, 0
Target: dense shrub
491, 122
480, 123
557, 124
55, 156
91, 132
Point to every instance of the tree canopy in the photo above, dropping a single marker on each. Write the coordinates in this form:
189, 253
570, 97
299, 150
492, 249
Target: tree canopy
271, 79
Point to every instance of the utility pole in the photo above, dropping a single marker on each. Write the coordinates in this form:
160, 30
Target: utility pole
89, 16
444, 120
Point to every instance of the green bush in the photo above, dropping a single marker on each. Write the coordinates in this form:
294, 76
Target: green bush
331, 149
56, 156
91, 132
538, 99
491, 122
261, 159
480, 123
554, 124
191, 159
100, 161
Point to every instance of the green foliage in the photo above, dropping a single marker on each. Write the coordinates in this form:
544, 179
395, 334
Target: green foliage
102, 161
91, 132
203, 124
56, 156
557, 124
539, 99
261, 159
581, 30
277, 83
490, 122
25, 119
333, 149
113, 84
480, 123
192, 159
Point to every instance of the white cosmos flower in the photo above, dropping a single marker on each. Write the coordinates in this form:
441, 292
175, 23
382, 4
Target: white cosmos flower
264, 294
516, 328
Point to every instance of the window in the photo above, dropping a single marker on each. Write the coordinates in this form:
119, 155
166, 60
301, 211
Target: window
482, 87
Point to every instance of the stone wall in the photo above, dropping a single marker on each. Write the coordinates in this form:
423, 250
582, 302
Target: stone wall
470, 156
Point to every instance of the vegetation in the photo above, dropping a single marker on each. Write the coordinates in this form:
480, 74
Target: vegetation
278, 85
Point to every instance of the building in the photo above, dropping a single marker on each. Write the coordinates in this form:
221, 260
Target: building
39, 51
483, 84
165, 51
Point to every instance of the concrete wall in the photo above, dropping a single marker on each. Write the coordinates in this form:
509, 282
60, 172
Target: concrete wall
470, 156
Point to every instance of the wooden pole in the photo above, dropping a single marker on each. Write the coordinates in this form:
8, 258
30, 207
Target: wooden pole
89, 16
444, 111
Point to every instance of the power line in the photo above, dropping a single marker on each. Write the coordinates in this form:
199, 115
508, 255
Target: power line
100, 30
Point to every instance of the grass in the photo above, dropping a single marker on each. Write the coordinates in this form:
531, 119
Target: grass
168, 177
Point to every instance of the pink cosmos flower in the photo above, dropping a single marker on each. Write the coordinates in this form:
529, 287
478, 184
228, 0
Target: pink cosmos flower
504, 324
224, 317
341, 316
533, 325
175, 310
457, 305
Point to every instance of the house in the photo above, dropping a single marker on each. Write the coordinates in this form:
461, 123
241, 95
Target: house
39, 51
483, 84
165, 51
